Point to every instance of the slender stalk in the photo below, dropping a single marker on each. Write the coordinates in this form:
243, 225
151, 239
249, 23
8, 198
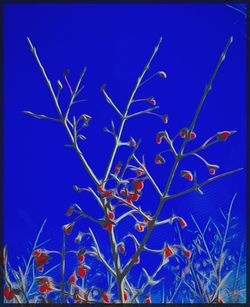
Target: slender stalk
63, 269
33, 50
224, 243
148, 175
124, 117
74, 94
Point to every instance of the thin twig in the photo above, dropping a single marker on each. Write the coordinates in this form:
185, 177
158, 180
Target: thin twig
148, 174
33, 50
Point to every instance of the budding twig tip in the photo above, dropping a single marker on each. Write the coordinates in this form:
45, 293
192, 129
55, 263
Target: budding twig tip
102, 87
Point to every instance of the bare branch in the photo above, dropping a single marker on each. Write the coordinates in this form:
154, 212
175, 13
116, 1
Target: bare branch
33, 50
109, 100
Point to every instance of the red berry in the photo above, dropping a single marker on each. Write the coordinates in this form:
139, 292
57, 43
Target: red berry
137, 260
148, 300
221, 301
81, 271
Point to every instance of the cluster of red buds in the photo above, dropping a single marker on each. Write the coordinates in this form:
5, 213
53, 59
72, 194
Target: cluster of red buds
104, 192
46, 284
184, 133
8, 293
41, 258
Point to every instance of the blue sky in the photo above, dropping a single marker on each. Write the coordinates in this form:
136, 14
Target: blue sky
114, 42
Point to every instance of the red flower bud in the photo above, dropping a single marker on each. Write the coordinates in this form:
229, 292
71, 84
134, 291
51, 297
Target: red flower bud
106, 298
223, 135
123, 192
159, 159
67, 228
69, 211
111, 215
211, 171
100, 189
137, 260
125, 295
139, 172
139, 227
81, 258
148, 300
107, 226
182, 222
138, 185
187, 253
81, 271
132, 142
8, 293
187, 175
107, 193
212, 168
168, 251
159, 137
118, 168
221, 301
73, 278
121, 248
192, 135
152, 101
165, 118
37, 252
183, 133
133, 196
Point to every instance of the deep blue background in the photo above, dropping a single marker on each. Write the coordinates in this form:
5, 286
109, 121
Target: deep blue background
114, 42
